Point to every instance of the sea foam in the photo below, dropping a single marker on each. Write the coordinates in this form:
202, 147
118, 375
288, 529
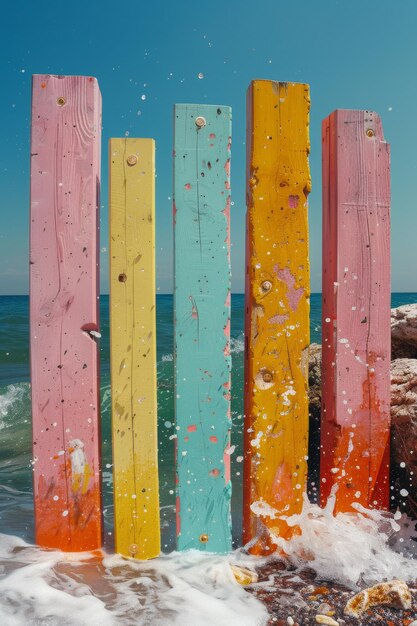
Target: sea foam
53, 588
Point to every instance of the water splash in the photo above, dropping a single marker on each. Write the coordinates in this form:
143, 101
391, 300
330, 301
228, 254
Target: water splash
353, 549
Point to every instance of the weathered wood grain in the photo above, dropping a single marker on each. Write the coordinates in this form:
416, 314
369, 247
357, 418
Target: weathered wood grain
202, 325
277, 308
133, 346
356, 311
64, 193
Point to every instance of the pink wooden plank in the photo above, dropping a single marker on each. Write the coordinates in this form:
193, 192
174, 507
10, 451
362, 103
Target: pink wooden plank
356, 310
65, 179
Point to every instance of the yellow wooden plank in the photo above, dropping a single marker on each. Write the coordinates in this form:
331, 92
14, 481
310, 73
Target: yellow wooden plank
277, 308
133, 346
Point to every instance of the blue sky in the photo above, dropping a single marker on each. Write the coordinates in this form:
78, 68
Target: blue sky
354, 54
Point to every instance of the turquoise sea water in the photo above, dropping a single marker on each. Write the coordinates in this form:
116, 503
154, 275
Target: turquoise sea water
16, 512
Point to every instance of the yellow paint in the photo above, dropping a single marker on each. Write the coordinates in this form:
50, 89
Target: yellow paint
82, 480
133, 347
277, 301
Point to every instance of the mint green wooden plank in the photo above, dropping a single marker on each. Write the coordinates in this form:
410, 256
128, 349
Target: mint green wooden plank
202, 325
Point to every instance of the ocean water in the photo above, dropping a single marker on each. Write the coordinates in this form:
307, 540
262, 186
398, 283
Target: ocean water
113, 591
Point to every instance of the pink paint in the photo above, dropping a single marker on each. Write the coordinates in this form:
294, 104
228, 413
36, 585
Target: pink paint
356, 362
226, 330
293, 295
178, 515
226, 461
226, 213
227, 168
227, 301
293, 201
213, 439
227, 396
186, 439
194, 310
227, 184
212, 136
187, 186
282, 488
278, 319
229, 144
192, 428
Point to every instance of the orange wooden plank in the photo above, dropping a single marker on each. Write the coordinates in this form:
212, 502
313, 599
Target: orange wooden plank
277, 309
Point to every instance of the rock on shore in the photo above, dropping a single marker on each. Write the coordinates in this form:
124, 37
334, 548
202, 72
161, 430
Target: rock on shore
404, 332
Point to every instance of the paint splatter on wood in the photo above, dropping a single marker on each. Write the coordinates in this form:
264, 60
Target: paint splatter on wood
277, 308
356, 310
65, 183
133, 346
202, 325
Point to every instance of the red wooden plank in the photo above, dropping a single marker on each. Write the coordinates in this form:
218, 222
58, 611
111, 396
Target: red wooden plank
65, 177
356, 311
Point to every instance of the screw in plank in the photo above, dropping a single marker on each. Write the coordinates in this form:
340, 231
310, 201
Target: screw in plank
267, 377
200, 121
132, 159
60, 101
204, 538
370, 132
122, 278
133, 548
266, 286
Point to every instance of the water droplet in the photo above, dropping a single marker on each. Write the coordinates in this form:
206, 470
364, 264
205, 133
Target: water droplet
143, 97
200, 75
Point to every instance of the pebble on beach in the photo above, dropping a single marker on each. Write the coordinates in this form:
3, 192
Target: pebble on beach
395, 594
326, 619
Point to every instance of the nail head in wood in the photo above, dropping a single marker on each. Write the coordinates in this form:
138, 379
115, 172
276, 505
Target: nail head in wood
370, 132
132, 159
61, 101
133, 548
200, 121
204, 538
266, 286
267, 377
